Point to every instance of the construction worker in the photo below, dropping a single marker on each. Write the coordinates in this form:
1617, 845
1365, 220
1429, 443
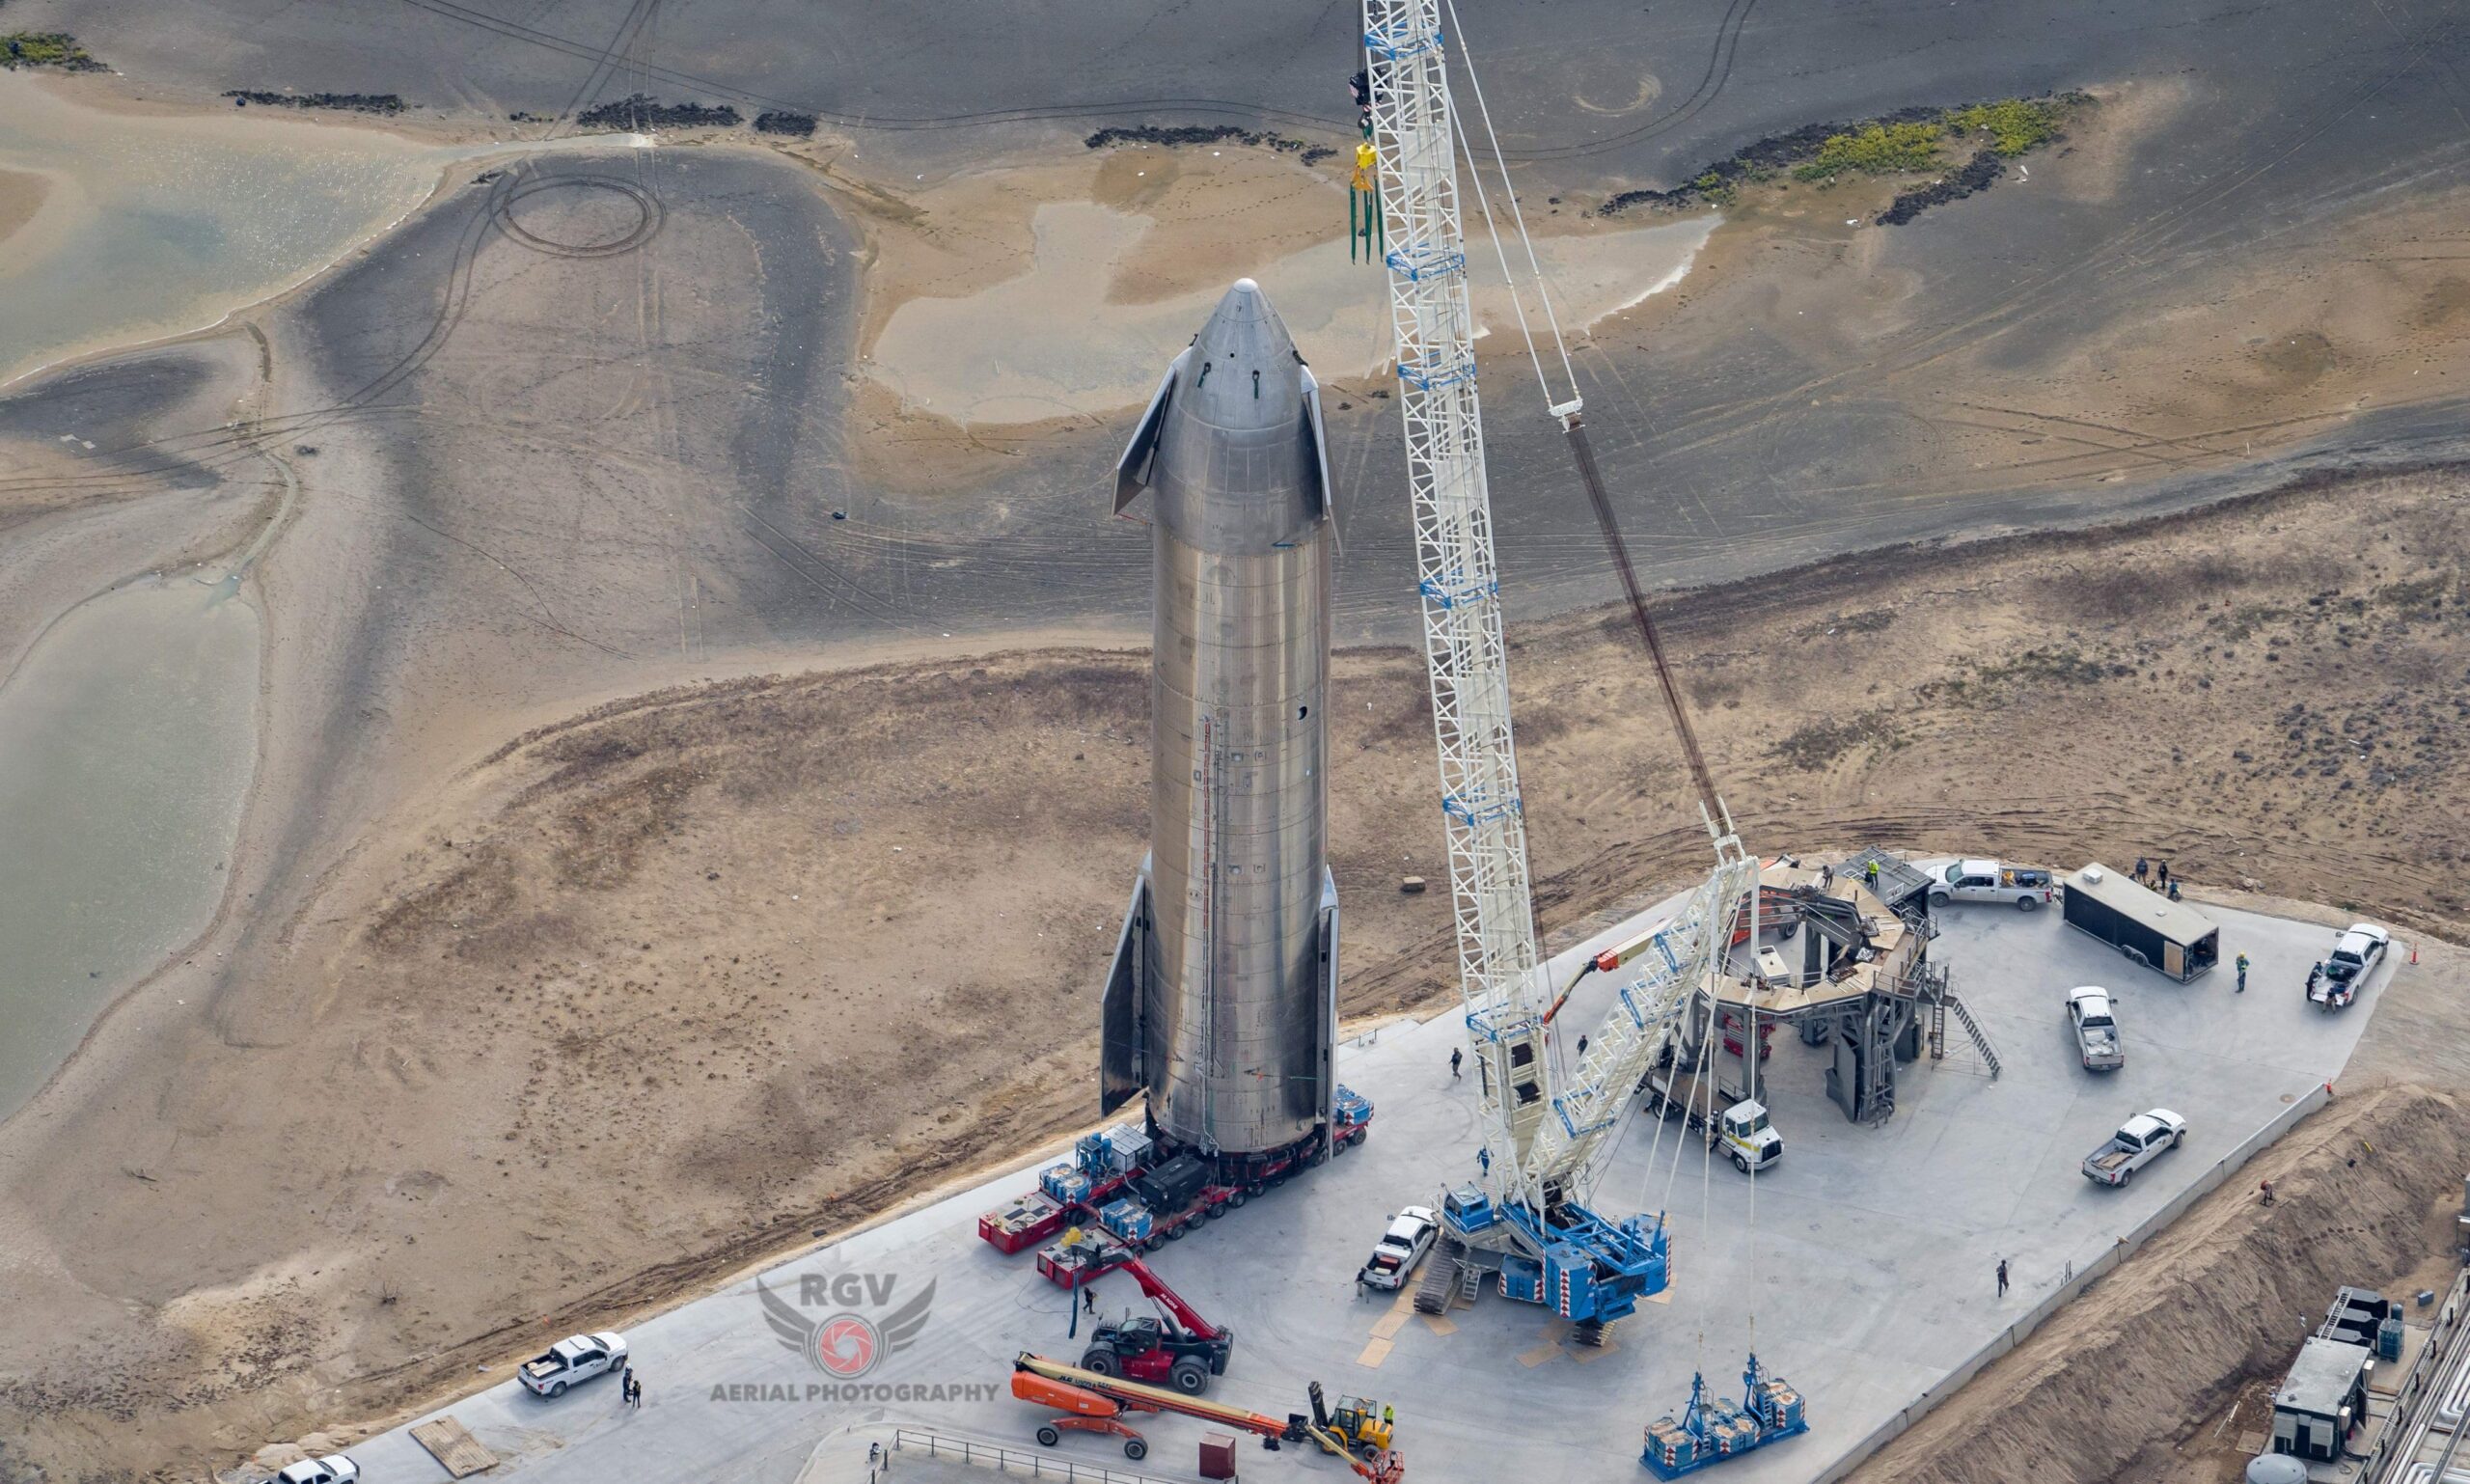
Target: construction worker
1870, 874
1455, 1055
2267, 1189
2142, 866
2002, 1277
1581, 1045
2243, 974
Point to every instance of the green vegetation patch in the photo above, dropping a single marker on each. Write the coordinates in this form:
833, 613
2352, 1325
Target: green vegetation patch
45, 48
2013, 124
1877, 150
1946, 141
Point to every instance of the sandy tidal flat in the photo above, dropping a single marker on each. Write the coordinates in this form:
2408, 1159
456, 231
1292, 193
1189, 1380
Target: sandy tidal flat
117, 227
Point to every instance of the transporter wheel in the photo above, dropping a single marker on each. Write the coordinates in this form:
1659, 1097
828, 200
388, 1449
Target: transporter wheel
1357, 1137
1215, 1210
1049, 1435
1337, 1147
1238, 1198
1175, 1233
1254, 1190
1136, 1449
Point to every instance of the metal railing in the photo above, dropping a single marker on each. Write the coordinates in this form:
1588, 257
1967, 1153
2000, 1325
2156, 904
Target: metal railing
2398, 1450
1007, 1460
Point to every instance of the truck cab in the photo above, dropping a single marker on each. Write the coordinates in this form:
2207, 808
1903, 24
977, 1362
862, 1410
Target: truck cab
1750, 1138
1992, 881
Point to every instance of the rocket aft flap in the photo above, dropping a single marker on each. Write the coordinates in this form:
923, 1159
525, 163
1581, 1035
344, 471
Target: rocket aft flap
1221, 1003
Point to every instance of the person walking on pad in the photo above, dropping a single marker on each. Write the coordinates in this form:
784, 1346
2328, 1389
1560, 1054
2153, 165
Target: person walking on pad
2002, 1277
1454, 1055
2243, 974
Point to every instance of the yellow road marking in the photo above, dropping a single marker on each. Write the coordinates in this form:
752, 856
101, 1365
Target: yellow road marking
1387, 1325
1373, 1355
1439, 1324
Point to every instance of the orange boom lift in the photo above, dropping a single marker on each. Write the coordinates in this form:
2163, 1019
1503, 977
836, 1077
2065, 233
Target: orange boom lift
1357, 1431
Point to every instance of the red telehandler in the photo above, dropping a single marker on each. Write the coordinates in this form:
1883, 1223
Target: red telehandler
1174, 1347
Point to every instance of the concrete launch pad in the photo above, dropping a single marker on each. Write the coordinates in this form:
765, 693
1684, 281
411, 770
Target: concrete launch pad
1868, 1273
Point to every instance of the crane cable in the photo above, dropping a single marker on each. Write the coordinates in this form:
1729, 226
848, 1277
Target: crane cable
1710, 1048
1517, 221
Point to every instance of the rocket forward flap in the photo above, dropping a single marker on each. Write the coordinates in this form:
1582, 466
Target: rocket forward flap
1316, 435
1134, 470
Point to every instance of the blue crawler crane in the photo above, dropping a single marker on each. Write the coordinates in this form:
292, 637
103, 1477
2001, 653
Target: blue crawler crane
1710, 1432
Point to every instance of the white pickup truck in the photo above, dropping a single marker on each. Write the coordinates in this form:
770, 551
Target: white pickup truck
2138, 1142
2337, 980
1990, 881
2097, 1028
574, 1359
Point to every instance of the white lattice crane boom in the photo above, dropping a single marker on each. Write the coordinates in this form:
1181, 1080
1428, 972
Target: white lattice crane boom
1677, 957
1456, 572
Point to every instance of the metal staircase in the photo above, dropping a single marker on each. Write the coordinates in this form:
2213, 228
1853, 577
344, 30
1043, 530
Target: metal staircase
1972, 1027
1444, 1276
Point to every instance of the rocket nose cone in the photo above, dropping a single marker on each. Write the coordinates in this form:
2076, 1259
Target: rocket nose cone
1248, 342
1245, 323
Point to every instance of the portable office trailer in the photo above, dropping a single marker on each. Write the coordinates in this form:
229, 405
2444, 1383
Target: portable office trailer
2145, 925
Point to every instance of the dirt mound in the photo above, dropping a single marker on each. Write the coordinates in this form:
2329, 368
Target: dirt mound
2218, 1301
